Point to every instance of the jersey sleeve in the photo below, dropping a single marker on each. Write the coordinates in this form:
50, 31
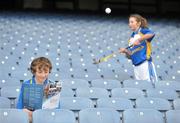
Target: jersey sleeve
148, 31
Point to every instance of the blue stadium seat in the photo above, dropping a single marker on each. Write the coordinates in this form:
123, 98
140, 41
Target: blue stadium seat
53, 115
176, 104
66, 92
20, 74
153, 103
168, 84
99, 115
11, 92
12, 115
92, 75
55, 76
141, 84
142, 116
93, 93
107, 74
8, 81
119, 104
105, 83
5, 102
172, 116
123, 75
129, 93
74, 83
161, 68
162, 93
79, 73
92, 71
75, 103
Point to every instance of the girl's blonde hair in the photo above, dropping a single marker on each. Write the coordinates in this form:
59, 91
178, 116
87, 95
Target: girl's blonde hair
140, 19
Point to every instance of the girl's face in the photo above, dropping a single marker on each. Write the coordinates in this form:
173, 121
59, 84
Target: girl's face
41, 75
133, 24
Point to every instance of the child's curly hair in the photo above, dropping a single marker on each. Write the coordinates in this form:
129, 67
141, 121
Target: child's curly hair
40, 63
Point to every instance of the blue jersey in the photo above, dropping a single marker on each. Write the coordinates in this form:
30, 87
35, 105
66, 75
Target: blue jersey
20, 104
141, 52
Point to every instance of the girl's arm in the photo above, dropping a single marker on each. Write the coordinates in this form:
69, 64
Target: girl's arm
126, 52
142, 38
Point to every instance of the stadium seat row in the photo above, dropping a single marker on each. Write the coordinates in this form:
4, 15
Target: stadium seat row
91, 115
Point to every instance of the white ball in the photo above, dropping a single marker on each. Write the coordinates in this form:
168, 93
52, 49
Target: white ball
108, 10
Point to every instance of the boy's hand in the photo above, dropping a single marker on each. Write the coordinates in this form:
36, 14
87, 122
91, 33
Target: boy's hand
29, 114
27, 111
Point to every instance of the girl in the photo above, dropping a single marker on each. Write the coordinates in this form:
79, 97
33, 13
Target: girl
140, 52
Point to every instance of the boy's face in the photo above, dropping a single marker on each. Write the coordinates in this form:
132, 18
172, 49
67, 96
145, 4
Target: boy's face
41, 75
133, 24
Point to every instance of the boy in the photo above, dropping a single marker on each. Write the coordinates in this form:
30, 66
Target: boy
40, 68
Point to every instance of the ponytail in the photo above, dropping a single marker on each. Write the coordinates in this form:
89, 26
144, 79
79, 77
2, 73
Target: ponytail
144, 23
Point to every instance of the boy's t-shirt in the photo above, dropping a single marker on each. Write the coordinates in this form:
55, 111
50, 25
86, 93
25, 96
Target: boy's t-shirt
32, 84
32, 96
